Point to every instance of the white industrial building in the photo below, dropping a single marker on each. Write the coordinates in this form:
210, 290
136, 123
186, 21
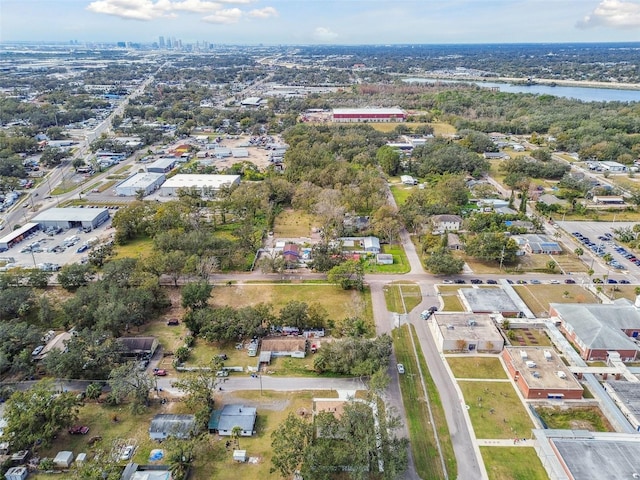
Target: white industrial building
162, 165
72, 217
145, 182
204, 184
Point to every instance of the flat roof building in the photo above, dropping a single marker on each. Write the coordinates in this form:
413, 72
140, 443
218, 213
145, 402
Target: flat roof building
466, 332
488, 300
377, 115
540, 373
162, 165
204, 184
626, 395
16, 236
584, 455
72, 217
144, 182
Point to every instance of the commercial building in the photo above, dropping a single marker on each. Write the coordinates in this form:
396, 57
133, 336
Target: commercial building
612, 166
488, 300
626, 395
584, 455
466, 332
204, 184
72, 217
540, 373
16, 236
597, 329
145, 182
377, 115
162, 165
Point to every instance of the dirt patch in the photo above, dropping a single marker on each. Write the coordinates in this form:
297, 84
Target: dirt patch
274, 404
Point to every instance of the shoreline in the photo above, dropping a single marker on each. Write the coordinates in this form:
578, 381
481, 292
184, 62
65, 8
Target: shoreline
536, 81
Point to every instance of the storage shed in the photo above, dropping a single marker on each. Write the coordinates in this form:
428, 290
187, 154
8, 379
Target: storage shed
16, 473
63, 459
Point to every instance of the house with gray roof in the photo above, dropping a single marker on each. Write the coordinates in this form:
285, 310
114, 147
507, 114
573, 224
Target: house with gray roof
172, 425
538, 244
442, 223
223, 421
597, 329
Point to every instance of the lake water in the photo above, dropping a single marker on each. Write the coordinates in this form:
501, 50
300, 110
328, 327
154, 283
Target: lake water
579, 93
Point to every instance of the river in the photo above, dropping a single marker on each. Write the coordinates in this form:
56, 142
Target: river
586, 94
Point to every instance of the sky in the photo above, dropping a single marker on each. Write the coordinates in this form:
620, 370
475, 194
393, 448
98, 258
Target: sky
350, 22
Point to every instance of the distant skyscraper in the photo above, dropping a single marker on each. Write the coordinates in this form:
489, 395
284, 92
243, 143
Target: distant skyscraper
161, 42
169, 42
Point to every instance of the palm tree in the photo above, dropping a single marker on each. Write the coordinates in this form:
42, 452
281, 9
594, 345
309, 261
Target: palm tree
235, 435
579, 252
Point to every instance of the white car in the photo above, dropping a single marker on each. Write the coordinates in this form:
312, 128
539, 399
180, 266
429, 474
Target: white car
127, 452
400, 368
448, 282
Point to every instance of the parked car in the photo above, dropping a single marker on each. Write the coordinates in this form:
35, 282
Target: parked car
158, 372
425, 314
459, 281
79, 430
433, 309
625, 282
82, 248
535, 282
554, 282
37, 350
492, 282
476, 281
127, 452
569, 281
521, 282
447, 282
400, 368
173, 322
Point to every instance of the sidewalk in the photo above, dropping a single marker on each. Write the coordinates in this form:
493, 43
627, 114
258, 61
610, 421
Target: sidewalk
501, 442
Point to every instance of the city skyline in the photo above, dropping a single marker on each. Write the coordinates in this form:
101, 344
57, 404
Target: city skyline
322, 21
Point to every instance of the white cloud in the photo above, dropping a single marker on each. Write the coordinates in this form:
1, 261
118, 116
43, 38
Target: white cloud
151, 9
324, 34
613, 13
225, 17
265, 12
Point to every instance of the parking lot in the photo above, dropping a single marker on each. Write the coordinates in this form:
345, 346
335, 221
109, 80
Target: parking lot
52, 249
598, 239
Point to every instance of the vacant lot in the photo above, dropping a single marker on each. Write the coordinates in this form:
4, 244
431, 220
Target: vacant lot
513, 463
293, 224
587, 418
401, 192
402, 297
478, 367
400, 261
439, 128
495, 410
538, 297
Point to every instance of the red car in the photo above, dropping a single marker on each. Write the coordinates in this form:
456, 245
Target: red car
79, 430
159, 372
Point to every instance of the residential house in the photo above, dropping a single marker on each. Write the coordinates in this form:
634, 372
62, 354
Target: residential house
538, 244
139, 347
223, 421
293, 346
291, 254
443, 223
172, 425
371, 244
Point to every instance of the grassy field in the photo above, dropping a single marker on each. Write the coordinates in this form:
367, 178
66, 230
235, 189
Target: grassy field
620, 291
400, 261
477, 367
451, 304
439, 128
530, 337
137, 248
401, 193
394, 294
538, 297
585, 418
423, 446
513, 463
509, 417
292, 224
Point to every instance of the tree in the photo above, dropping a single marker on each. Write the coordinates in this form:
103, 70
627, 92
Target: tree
386, 224
552, 265
579, 251
492, 247
442, 262
325, 256
75, 275
289, 442
235, 435
294, 314
128, 381
200, 386
196, 295
38, 415
180, 456
348, 275
389, 160
93, 391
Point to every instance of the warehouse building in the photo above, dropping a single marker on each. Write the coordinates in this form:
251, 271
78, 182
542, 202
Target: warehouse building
162, 165
204, 184
374, 115
16, 236
145, 182
72, 217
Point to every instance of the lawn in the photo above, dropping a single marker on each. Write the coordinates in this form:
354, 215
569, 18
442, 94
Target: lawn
338, 303
402, 297
538, 297
401, 192
137, 248
293, 224
423, 446
579, 418
400, 261
495, 410
513, 463
451, 303
477, 367
620, 291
